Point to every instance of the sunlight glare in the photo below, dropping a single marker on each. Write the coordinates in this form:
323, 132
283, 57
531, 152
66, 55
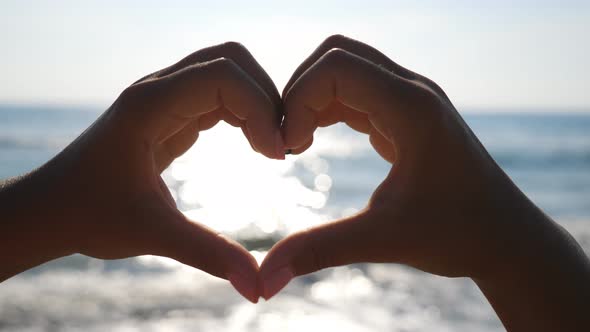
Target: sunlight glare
227, 186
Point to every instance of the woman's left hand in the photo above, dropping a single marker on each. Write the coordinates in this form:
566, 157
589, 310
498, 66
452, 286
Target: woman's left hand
103, 196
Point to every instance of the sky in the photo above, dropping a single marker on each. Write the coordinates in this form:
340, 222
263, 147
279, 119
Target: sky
498, 55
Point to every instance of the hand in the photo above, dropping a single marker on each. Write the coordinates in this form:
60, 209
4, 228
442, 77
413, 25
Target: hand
444, 206
117, 204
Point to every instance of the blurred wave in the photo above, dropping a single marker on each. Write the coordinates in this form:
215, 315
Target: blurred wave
9, 143
547, 155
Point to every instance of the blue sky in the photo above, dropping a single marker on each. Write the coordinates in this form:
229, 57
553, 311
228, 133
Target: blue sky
485, 54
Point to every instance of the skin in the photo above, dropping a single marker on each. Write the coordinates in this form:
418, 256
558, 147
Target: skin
117, 204
445, 208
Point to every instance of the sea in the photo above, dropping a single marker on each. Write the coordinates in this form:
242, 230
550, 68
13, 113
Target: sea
220, 182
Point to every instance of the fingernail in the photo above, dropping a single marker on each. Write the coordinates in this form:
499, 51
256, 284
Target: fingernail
279, 146
276, 281
245, 286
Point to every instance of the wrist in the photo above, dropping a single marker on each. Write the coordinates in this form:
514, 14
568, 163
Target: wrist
35, 224
539, 281
513, 230
522, 235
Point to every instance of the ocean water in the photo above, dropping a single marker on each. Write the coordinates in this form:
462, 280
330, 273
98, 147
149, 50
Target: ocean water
547, 155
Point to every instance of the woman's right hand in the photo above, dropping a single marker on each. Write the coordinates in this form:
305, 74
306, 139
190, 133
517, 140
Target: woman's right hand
440, 207
446, 207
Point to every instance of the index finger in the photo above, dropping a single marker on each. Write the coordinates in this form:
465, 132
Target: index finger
355, 239
396, 107
234, 51
364, 51
215, 86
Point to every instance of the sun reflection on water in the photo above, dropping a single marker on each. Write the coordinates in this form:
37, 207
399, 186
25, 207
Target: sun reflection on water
223, 183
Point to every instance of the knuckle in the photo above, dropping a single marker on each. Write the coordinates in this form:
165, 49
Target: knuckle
234, 48
417, 95
335, 58
133, 94
223, 65
227, 63
428, 110
140, 98
335, 40
427, 96
336, 53
434, 86
317, 259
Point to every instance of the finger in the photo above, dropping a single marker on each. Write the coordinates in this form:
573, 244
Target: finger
248, 137
334, 113
337, 112
166, 192
200, 247
356, 120
176, 145
352, 240
208, 120
242, 103
231, 50
362, 50
384, 147
394, 106
180, 142
217, 86
300, 149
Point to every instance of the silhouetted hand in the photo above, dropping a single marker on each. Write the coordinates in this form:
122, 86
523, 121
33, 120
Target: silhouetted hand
437, 209
117, 204
445, 207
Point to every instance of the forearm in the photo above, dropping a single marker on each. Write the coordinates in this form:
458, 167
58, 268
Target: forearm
32, 230
545, 283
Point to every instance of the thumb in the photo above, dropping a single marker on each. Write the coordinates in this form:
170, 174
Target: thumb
201, 247
351, 240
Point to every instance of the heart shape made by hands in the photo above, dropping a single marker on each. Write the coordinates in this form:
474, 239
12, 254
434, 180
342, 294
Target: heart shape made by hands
420, 214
